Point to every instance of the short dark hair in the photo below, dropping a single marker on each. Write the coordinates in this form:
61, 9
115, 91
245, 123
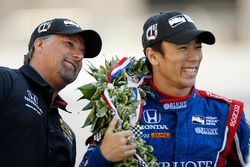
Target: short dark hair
29, 55
158, 48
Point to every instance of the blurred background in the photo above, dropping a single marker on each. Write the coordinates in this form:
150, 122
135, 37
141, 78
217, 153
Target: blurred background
223, 70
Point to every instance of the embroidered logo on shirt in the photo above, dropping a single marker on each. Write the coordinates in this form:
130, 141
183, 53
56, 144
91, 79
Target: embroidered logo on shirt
200, 163
198, 120
201, 120
206, 131
32, 102
211, 121
175, 105
160, 135
151, 116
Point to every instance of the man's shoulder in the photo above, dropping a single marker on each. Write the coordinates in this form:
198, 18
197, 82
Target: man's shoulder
216, 97
7, 80
4, 69
7, 74
7, 71
233, 107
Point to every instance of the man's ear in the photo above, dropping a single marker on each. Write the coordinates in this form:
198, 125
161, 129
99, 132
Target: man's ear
38, 44
152, 56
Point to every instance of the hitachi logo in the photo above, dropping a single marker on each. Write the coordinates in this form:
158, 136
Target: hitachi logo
154, 127
187, 164
175, 105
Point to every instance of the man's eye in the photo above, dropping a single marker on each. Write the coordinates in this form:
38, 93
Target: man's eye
182, 48
70, 43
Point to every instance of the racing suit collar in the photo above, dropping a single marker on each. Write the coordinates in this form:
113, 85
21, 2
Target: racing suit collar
163, 97
172, 103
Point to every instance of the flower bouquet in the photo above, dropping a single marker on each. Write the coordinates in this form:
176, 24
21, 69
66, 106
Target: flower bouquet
119, 91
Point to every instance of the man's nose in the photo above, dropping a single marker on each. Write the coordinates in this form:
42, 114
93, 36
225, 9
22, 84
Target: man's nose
194, 55
78, 54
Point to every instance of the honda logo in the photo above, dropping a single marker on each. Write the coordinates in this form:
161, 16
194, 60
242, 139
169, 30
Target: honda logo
151, 116
32, 97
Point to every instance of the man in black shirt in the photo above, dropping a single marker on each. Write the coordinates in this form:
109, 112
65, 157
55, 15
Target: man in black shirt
32, 132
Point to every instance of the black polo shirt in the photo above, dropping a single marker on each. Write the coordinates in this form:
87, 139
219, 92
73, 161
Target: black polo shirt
32, 133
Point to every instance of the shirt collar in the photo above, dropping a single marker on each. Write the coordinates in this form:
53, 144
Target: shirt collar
163, 97
172, 102
36, 78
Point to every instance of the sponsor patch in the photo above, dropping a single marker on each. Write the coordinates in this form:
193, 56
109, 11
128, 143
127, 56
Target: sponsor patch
152, 32
211, 121
160, 135
32, 102
151, 116
236, 111
198, 120
206, 131
44, 27
201, 163
71, 23
201, 120
175, 105
160, 126
176, 20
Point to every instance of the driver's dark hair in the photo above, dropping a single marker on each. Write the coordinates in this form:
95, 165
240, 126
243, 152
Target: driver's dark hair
156, 47
29, 55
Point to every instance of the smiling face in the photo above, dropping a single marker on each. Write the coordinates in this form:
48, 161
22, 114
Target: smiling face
58, 58
175, 71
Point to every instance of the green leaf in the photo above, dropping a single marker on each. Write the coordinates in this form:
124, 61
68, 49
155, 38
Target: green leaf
141, 150
126, 125
100, 123
149, 148
150, 157
90, 118
88, 90
101, 112
88, 106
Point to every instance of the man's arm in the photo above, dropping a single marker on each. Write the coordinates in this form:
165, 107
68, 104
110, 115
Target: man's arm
241, 145
5, 85
113, 148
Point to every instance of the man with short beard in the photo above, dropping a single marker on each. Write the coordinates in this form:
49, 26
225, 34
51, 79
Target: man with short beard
33, 134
